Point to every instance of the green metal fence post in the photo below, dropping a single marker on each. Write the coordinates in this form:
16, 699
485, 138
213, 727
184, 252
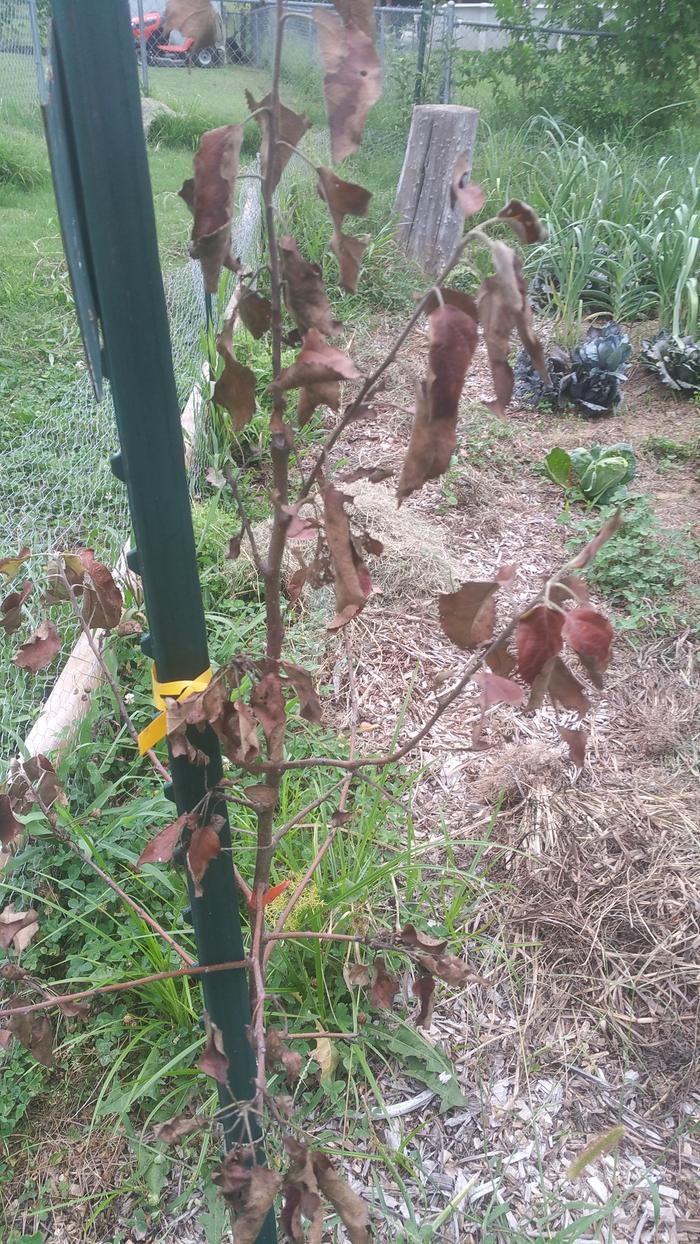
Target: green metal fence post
95, 57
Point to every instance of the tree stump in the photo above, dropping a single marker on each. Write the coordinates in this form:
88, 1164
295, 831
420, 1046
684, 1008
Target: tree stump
428, 227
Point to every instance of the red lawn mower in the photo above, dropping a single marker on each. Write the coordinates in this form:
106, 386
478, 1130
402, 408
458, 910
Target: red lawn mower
175, 49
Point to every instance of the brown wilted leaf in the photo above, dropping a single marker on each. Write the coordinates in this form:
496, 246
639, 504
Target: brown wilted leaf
568, 588
576, 741
179, 1126
67, 566
38, 773
451, 969
349, 1207
250, 1190
235, 388
454, 298
538, 639
195, 19
102, 601
357, 974
358, 12
161, 847
565, 690
292, 127
500, 660
237, 733
503, 306
310, 706
464, 193
40, 649
524, 221
35, 1033
255, 312
384, 986
9, 566
468, 615
279, 1053
453, 338
352, 82
267, 704
17, 928
211, 198
10, 827
317, 363
497, 690
304, 293
11, 608
588, 552
204, 847
590, 635
301, 1196
349, 250
373, 475
314, 395
351, 578
213, 1062
423, 989
416, 938
344, 198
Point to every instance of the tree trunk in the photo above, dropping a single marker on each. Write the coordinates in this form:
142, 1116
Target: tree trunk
428, 227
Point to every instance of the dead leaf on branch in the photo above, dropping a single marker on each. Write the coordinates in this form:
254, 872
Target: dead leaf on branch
356, 975
352, 81
349, 250
500, 659
565, 690
255, 312
35, 1033
195, 19
576, 741
161, 848
588, 552
317, 363
310, 706
102, 600
344, 198
10, 827
538, 639
204, 847
10, 566
351, 577
277, 1053
494, 689
213, 1062
267, 704
468, 616
348, 1205
36, 773
250, 1190
40, 649
384, 986
67, 567
464, 193
569, 588
210, 196
417, 939
180, 1126
590, 635
301, 1196
503, 306
524, 220
451, 969
17, 928
292, 127
304, 293
423, 989
452, 342
11, 608
235, 388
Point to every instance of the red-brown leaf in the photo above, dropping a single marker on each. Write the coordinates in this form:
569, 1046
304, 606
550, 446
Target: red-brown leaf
235, 388
213, 1061
279, 1053
17, 928
384, 986
316, 363
267, 704
292, 127
348, 568
469, 197
10, 827
576, 741
309, 704
348, 1205
204, 847
36, 773
160, 849
35, 1033
588, 552
304, 293
40, 649
179, 1126
503, 306
417, 939
349, 250
423, 989
538, 638
451, 969
590, 635
497, 690
102, 600
565, 690
524, 221
255, 312
352, 81
468, 615
211, 196
11, 608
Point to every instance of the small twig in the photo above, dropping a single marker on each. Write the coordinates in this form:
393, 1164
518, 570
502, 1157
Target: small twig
300, 816
107, 674
120, 986
64, 837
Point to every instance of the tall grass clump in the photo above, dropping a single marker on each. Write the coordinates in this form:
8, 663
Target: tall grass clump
23, 164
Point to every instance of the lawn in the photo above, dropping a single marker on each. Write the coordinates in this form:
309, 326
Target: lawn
573, 895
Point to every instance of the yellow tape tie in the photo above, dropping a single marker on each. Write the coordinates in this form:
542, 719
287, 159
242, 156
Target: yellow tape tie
178, 690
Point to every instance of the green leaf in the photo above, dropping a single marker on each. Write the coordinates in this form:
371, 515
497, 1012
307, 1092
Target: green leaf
558, 465
423, 1062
